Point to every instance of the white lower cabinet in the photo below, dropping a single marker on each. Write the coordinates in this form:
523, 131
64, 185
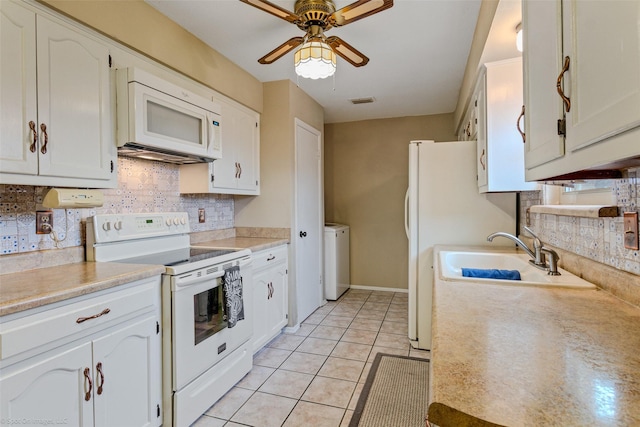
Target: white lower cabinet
270, 290
105, 372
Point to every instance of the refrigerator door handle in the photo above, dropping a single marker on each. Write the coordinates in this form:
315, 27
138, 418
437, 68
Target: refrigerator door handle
406, 213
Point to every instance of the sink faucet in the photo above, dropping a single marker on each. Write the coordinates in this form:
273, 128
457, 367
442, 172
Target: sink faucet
537, 255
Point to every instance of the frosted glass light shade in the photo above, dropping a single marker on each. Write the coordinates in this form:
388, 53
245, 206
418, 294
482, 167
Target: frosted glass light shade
315, 60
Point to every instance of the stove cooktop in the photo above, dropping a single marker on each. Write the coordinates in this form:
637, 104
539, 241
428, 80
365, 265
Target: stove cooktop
179, 257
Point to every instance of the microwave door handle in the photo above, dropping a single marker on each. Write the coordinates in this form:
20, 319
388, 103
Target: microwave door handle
209, 132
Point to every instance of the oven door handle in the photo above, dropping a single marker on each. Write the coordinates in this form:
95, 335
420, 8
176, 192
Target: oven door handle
185, 280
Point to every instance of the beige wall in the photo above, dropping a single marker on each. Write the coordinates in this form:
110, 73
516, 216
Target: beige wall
366, 177
141, 27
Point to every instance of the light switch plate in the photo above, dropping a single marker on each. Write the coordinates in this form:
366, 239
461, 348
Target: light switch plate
630, 230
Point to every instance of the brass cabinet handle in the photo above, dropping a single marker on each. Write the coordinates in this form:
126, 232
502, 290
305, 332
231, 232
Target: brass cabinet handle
95, 316
99, 369
270, 286
32, 127
87, 379
484, 167
524, 137
237, 166
565, 68
271, 257
43, 128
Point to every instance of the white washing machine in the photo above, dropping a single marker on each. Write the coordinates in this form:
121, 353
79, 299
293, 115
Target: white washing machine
336, 260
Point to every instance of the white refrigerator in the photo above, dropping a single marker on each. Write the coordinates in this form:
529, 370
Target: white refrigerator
443, 206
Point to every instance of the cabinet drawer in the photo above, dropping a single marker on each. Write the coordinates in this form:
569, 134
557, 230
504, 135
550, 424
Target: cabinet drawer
60, 324
268, 257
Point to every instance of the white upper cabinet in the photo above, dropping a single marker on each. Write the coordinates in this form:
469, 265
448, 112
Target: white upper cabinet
542, 55
238, 171
55, 103
582, 86
602, 39
500, 146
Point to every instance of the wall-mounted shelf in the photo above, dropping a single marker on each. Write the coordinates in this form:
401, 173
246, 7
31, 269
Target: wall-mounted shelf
584, 211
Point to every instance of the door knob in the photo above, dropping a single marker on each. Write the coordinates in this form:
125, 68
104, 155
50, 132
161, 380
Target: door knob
303, 234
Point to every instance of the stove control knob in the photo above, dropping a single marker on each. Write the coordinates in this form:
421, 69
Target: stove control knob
118, 225
176, 221
183, 221
168, 222
106, 226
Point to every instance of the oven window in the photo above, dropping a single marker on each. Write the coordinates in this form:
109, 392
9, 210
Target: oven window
209, 313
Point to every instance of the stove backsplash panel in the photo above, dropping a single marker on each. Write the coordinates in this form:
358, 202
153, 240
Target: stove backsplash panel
143, 186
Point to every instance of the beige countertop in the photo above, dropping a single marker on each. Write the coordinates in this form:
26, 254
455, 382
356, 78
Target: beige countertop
34, 288
527, 356
38, 287
253, 243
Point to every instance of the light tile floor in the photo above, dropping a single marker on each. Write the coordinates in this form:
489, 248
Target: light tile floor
313, 377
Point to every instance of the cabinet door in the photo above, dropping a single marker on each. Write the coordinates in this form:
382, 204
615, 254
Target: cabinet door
17, 89
542, 29
52, 389
481, 133
225, 170
247, 155
261, 292
73, 104
127, 374
601, 40
277, 303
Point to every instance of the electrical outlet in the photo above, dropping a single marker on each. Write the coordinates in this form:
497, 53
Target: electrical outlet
44, 222
201, 216
631, 230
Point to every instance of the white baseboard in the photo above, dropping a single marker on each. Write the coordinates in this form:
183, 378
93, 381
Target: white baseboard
378, 288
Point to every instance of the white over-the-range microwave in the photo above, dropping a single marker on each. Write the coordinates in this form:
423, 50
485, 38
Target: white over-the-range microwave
159, 120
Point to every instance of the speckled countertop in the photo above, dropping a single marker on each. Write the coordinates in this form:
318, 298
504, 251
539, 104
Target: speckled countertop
34, 288
253, 243
38, 287
526, 356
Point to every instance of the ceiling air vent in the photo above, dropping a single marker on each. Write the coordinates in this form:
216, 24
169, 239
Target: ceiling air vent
368, 100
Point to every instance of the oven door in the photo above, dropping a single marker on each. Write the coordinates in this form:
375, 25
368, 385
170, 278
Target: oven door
201, 337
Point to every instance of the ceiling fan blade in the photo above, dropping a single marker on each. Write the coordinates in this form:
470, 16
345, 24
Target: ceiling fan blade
347, 52
281, 50
273, 9
358, 10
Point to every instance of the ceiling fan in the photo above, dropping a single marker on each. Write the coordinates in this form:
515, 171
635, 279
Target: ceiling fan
314, 17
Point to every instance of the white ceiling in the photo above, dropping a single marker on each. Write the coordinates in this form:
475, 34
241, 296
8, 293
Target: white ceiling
418, 51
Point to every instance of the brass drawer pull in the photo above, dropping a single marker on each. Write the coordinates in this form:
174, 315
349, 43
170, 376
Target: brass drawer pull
524, 137
99, 369
95, 316
32, 127
43, 128
87, 378
271, 257
565, 68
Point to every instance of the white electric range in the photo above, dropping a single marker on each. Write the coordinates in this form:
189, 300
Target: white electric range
205, 343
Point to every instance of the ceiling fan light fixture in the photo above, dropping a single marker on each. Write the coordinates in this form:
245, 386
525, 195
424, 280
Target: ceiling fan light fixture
315, 60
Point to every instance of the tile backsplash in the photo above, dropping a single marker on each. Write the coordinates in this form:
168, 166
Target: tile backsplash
599, 239
143, 186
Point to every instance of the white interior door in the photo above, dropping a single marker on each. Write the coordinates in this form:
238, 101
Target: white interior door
308, 220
